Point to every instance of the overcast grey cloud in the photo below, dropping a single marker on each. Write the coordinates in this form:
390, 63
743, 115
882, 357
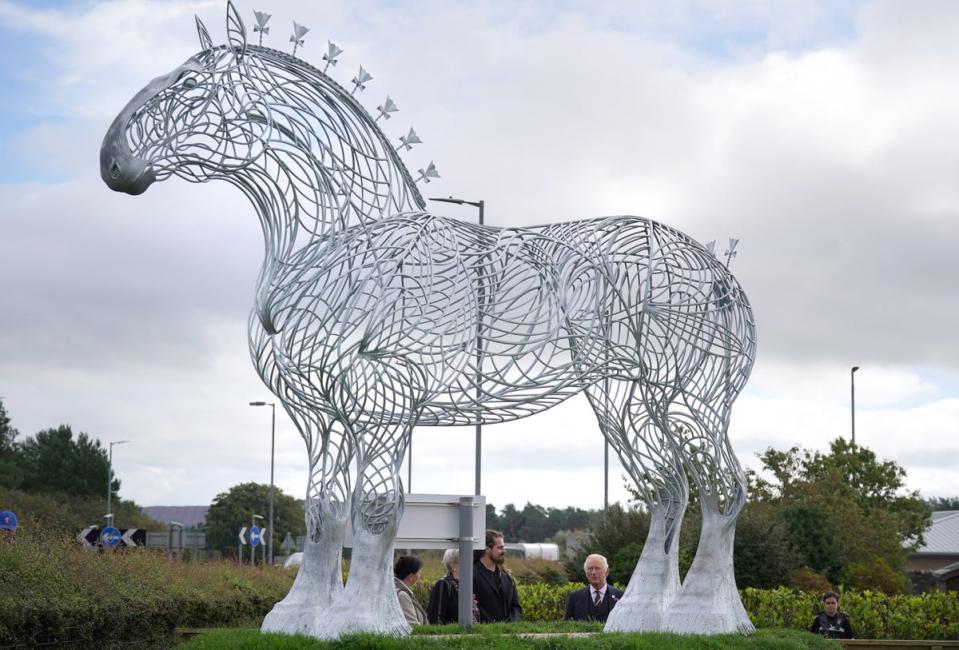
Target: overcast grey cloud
823, 135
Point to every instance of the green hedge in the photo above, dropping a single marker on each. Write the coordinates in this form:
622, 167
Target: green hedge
53, 591
874, 615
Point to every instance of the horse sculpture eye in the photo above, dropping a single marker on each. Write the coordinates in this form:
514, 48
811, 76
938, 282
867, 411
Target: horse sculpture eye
189, 82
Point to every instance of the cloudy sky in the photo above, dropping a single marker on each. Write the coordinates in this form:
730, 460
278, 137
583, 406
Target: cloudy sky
823, 135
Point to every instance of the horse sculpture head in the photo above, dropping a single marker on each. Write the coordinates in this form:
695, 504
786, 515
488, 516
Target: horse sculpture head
202, 120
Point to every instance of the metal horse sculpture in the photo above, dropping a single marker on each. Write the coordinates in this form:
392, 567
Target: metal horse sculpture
372, 315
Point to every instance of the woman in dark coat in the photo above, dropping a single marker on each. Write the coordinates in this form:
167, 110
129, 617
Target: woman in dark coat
444, 597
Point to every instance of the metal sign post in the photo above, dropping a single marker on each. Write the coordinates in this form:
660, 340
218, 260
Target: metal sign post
467, 541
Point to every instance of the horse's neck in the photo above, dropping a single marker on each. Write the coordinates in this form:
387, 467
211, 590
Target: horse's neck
327, 167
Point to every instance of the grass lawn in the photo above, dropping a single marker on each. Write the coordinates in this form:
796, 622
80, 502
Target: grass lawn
496, 637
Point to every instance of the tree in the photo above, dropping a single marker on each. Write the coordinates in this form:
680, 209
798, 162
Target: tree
763, 555
844, 509
52, 461
10, 473
233, 509
942, 503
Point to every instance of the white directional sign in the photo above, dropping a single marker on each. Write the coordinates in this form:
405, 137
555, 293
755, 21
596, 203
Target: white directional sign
243, 536
432, 521
82, 536
127, 537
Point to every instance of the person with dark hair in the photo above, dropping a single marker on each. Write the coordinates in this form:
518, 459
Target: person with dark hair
496, 595
830, 622
444, 597
406, 573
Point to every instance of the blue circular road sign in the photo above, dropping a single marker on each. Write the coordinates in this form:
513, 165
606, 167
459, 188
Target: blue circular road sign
254, 535
110, 537
8, 520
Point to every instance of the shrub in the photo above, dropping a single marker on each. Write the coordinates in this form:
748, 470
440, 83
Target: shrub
805, 579
52, 591
875, 574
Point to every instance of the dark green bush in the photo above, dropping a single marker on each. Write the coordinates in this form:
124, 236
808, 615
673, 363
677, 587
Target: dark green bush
54, 591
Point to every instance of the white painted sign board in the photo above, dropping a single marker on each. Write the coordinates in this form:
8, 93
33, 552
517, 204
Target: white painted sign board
433, 521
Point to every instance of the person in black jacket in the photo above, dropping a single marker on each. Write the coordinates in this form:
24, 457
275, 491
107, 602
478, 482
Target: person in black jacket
444, 596
593, 602
495, 590
830, 622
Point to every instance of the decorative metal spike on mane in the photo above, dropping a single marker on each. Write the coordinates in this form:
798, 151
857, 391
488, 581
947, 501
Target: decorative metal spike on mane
299, 31
359, 81
332, 51
428, 173
387, 107
407, 141
711, 247
731, 253
261, 20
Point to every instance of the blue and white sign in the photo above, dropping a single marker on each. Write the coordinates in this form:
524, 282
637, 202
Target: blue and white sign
110, 537
255, 535
8, 520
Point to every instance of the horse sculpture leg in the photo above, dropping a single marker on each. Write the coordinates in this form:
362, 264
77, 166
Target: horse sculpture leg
709, 602
649, 460
319, 580
382, 398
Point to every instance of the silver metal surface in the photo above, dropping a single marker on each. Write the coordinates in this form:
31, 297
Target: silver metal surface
372, 315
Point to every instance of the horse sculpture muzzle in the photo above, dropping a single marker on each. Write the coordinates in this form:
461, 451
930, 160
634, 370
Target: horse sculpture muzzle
119, 168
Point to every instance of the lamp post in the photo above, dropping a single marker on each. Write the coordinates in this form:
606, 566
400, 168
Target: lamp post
852, 400
109, 514
481, 205
272, 406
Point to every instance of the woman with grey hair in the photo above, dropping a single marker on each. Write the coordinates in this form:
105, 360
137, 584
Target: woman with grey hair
444, 597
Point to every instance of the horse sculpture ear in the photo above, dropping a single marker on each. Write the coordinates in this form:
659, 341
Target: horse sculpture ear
205, 41
235, 30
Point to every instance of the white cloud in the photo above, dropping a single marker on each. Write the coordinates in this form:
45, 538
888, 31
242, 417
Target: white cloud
827, 143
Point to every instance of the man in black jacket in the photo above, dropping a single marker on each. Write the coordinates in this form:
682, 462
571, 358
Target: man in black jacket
831, 623
594, 602
495, 590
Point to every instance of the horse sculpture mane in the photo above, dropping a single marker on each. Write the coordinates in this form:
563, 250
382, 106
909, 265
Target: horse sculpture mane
372, 316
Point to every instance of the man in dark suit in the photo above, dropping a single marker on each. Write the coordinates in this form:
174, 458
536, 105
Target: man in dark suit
493, 586
594, 602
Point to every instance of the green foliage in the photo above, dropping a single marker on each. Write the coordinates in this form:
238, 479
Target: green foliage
763, 553
66, 513
812, 529
932, 615
805, 579
507, 639
54, 592
537, 524
10, 473
843, 508
53, 461
233, 509
875, 574
941, 503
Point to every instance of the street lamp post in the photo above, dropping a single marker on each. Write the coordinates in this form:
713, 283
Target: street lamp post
110, 481
481, 205
272, 406
852, 401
